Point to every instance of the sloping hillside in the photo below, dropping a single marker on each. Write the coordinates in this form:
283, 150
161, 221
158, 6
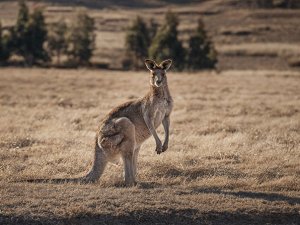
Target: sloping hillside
246, 37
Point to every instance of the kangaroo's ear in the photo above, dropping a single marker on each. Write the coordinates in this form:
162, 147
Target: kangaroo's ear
165, 65
150, 64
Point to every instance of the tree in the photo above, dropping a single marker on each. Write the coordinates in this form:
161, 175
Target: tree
30, 35
20, 29
137, 42
166, 44
38, 34
274, 3
293, 4
57, 39
23, 18
4, 46
201, 52
152, 29
82, 39
265, 3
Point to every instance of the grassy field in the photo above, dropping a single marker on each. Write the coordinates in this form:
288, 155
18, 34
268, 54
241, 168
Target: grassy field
234, 154
245, 38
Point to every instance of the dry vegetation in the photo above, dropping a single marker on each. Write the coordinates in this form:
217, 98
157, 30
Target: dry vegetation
234, 155
239, 32
233, 158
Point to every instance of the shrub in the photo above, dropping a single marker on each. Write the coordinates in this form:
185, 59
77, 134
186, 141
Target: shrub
264, 3
30, 35
201, 52
294, 61
166, 44
20, 30
57, 40
137, 42
127, 62
292, 4
153, 27
38, 33
81, 39
4, 46
273, 3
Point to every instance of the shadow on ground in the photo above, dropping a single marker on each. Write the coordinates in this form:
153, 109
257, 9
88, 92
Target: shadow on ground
267, 196
254, 195
187, 216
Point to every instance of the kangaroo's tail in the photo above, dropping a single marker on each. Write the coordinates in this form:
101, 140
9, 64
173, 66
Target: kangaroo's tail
99, 164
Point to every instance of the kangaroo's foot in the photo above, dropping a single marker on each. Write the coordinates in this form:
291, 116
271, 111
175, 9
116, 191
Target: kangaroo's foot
164, 147
159, 148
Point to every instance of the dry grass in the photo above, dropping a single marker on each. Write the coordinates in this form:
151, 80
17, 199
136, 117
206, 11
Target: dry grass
233, 158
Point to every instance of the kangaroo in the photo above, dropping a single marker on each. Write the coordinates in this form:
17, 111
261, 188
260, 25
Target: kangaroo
122, 132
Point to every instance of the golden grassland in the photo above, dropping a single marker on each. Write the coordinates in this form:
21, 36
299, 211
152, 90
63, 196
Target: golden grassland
245, 38
234, 154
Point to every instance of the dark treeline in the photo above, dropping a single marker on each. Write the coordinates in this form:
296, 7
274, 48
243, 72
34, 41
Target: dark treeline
288, 4
144, 41
35, 43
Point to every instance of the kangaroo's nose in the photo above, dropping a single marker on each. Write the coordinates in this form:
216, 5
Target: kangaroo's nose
157, 80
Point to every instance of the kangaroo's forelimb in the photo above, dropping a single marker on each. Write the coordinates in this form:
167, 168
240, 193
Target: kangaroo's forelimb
150, 125
166, 125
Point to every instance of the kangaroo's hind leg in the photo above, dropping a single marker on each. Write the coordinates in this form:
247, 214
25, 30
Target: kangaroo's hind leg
135, 156
127, 148
129, 170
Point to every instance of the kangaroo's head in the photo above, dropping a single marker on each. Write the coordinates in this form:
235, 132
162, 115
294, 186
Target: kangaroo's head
158, 72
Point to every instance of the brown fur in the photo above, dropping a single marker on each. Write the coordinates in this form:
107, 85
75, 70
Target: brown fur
127, 126
122, 132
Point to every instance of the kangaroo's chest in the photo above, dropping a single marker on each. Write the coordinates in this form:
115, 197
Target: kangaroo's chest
162, 108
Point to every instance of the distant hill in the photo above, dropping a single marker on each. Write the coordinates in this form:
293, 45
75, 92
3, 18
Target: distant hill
246, 36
